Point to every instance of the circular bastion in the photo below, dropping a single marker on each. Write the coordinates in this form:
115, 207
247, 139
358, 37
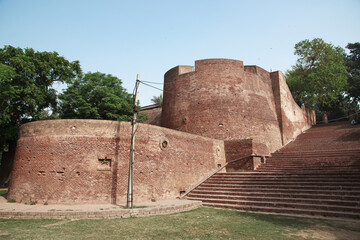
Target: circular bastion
222, 99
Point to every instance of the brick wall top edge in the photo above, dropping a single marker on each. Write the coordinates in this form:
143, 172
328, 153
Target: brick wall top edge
89, 127
179, 70
201, 62
201, 65
252, 68
70, 121
81, 127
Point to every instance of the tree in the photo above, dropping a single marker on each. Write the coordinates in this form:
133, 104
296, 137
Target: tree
97, 96
26, 79
158, 100
353, 66
319, 77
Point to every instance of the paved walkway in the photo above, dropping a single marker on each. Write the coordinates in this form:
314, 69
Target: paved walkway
23, 211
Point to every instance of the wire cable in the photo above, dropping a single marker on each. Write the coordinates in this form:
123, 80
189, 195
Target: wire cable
152, 82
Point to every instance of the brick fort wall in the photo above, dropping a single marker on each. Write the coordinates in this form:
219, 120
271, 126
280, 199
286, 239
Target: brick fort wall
215, 112
225, 100
86, 161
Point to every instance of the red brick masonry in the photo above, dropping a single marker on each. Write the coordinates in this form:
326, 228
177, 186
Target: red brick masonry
223, 99
217, 101
86, 161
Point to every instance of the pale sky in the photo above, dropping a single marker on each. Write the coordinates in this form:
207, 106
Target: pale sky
126, 38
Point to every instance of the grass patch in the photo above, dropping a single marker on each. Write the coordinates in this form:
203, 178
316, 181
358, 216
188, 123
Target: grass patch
202, 223
3, 192
11, 200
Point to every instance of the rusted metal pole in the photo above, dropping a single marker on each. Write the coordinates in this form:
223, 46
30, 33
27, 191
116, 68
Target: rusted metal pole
129, 203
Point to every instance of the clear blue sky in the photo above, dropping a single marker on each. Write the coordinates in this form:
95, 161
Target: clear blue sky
125, 38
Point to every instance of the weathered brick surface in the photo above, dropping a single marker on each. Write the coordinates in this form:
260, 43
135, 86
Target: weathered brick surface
223, 99
236, 149
217, 101
57, 161
154, 115
292, 119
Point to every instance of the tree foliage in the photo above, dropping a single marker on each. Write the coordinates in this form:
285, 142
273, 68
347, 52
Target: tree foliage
96, 96
8, 127
158, 100
26, 79
320, 76
353, 65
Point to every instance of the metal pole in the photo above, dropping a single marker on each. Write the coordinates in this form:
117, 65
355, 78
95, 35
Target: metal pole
129, 203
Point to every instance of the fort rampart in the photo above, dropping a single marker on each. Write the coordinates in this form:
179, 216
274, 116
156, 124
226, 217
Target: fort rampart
223, 99
212, 113
86, 161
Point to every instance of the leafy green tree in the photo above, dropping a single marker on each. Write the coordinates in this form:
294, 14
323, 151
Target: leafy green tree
158, 100
26, 79
319, 77
97, 96
353, 65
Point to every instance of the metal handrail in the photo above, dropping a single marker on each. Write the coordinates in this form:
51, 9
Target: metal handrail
219, 169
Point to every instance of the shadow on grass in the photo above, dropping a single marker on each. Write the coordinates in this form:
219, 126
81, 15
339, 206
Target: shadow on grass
202, 223
303, 227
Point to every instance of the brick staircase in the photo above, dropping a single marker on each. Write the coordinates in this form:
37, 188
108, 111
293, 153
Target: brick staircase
317, 174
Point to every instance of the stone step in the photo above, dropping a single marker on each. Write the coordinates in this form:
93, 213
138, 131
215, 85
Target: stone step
292, 211
308, 170
317, 174
322, 154
286, 174
280, 204
350, 196
343, 192
312, 158
303, 165
349, 177
286, 179
332, 202
315, 156
342, 162
286, 151
283, 179
282, 186
301, 182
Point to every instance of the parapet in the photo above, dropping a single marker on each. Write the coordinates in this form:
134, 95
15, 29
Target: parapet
217, 63
256, 70
179, 70
204, 65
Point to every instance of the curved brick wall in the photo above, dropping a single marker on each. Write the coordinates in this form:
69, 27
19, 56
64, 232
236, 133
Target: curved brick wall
223, 99
231, 110
61, 161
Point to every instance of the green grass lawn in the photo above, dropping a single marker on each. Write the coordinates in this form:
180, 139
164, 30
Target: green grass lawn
3, 191
202, 223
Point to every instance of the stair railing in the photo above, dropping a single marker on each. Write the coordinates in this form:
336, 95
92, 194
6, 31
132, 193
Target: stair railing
221, 168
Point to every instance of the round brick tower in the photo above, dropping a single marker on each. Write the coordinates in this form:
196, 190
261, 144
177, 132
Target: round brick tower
222, 99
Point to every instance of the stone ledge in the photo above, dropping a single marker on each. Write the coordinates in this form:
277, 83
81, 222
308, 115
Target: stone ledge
160, 209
